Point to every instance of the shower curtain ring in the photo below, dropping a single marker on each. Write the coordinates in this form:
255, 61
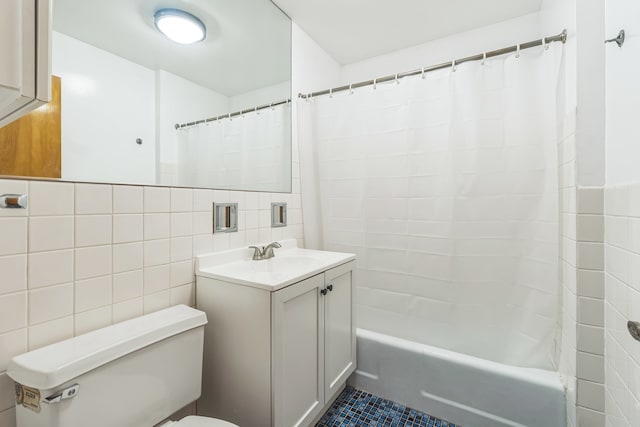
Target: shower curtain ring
484, 58
454, 67
422, 73
397, 81
518, 51
375, 84
350, 89
331, 93
255, 110
545, 44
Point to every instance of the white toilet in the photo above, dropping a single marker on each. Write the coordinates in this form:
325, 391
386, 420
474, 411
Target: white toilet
132, 374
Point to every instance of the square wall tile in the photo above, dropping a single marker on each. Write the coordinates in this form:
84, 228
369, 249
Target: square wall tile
202, 200
182, 273
127, 310
184, 294
93, 199
92, 320
157, 301
181, 200
50, 268
591, 283
203, 223
127, 257
12, 344
14, 186
157, 252
14, 274
50, 233
591, 200
156, 226
220, 196
127, 228
93, 293
590, 367
590, 228
181, 224
92, 262
51, 198
252, 201
181, 249
127, 285
202, 244
13, 311
591, 339
14, 236
590, 418
127, 199
93, 230
156, 279
51, 332
7, 393
50, 303
156, 199
591, 395
591, 311
8, 417
591, 256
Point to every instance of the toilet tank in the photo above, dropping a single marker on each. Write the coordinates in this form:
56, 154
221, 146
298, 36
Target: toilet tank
131, 374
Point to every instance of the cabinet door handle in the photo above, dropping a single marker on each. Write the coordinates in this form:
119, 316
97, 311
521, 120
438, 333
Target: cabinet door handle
323, 291
330, 287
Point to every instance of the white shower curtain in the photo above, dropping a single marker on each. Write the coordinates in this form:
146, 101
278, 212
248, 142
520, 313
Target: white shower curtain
248, 152
446, 188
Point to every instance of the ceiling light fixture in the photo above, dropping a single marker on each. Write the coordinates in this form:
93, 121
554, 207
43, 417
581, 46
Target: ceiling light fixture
180, 26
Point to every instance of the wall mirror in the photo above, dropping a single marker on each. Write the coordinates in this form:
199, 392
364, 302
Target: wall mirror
136, 107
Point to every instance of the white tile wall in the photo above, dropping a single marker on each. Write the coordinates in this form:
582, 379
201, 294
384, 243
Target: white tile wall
84, 256
568, 265
622, 303
590, 307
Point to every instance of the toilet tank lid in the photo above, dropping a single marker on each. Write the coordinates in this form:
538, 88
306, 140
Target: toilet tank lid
54, 365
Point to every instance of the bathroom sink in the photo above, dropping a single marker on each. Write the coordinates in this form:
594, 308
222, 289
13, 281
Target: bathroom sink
291, 264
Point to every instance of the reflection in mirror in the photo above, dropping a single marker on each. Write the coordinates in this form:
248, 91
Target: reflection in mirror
126, 87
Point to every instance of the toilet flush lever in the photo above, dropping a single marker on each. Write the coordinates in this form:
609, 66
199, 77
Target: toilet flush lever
65, 394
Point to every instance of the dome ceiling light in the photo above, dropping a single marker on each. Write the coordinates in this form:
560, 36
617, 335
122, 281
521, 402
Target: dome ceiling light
180, 26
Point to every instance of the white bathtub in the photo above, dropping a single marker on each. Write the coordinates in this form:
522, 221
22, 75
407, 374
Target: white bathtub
458, 388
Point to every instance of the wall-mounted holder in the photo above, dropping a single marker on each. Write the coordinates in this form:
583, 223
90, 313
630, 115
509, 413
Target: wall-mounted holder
14, 201
634, 329
225, 217
619, 40
278, 214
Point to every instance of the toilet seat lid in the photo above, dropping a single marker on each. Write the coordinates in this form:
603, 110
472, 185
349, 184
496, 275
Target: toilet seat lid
194, 421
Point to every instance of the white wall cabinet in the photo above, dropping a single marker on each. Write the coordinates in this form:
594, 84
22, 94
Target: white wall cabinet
277, 358
25, 57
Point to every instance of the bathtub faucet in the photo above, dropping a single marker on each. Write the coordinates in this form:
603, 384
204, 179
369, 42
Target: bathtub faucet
266, 252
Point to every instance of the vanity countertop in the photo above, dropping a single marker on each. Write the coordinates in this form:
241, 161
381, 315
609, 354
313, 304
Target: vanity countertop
291, 264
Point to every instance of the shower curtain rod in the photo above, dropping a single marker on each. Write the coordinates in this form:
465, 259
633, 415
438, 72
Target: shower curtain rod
562, 37
231, 115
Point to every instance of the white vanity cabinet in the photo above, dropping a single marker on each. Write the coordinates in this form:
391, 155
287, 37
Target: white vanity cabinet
25, 57
277, 357
313, 344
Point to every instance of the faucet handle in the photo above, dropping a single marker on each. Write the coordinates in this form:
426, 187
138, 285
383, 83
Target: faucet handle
267, 252
257, 253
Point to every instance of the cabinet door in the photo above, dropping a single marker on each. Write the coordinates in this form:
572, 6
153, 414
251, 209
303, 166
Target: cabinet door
297, 352
25, 49
340, 330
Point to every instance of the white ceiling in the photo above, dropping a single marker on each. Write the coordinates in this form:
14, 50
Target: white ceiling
353, 30
248, 42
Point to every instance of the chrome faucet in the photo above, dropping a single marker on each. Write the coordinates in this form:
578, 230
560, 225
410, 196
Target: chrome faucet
266, 252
